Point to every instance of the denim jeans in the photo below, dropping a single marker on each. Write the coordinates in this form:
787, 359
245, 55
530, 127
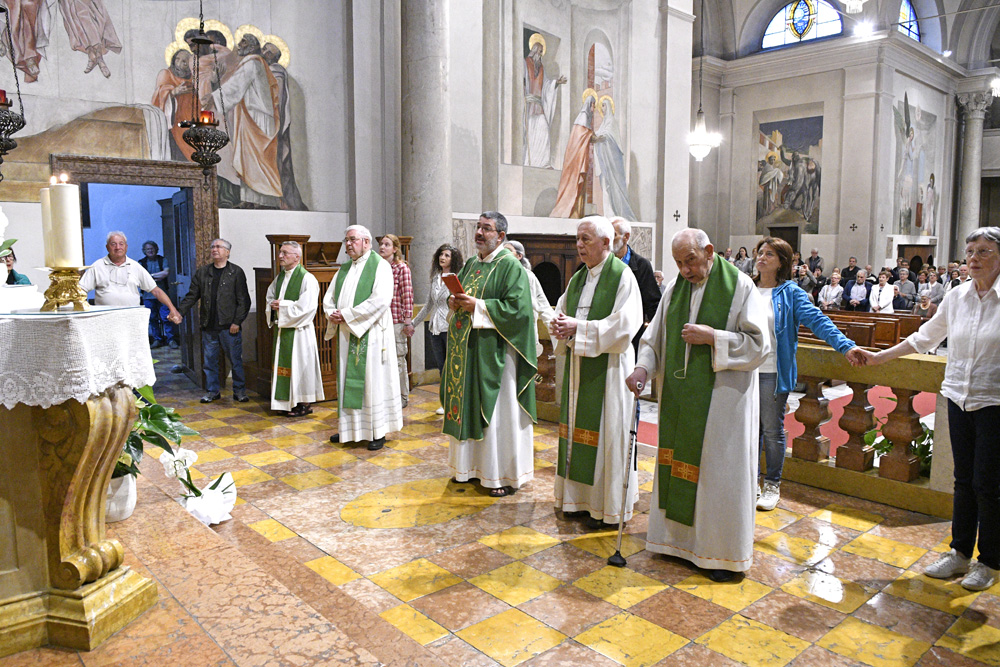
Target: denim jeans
232, 346
975, 446
772, 426
160, 327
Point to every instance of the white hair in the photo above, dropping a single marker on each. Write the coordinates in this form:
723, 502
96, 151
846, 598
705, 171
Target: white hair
699, 237
107, 240
602, 226
294, 245
624, 225
227, 244
361, 230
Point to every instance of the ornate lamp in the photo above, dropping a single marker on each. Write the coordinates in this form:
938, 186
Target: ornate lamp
701, 141
853, 6
10, 121
203, 133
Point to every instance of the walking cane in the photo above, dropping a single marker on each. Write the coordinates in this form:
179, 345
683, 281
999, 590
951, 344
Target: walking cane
616, 558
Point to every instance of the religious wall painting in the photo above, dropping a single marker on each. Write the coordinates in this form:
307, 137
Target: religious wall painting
541, 97
789, 174
915, 195
244, 80
87, 23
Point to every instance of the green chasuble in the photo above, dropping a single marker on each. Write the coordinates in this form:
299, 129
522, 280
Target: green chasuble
352, 394
687, 396
476, 357
593, 374
283, 381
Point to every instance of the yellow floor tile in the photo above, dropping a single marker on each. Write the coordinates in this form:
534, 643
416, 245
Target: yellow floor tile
620, 586
249, 476
540, 430
873, 644
393, 460
429, 406
211, 455
511, 637
752, 643
848, 517
411, 622
648, 486
240, 501
204, 424
943, 546
829, 591
272, 530
894, 553
427, 416
332, 570
232, 440
647, 464
310, 480
228, 412
631, 641
155, 452
268, 458
519, 541
183, 412
331, 459
290, 440
421, 429
542, 463
515, 583
308, 426
424, 502
603, 543
733, 596
542, 446
776, 519
407, 445
196, 475
974, 640
324, 414
415, 579
941, 594
795, 549
257, 426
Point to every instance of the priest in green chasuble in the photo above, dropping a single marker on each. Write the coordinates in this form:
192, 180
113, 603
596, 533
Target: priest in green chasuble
293, 299
488, 383
595, 321
356, 306
709, 335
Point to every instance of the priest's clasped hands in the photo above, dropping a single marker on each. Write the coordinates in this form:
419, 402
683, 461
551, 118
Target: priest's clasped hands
463, 302
563, 327
336, 317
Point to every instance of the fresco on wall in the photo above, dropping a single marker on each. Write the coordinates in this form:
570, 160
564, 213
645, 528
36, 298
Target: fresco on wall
915, 197
244, 80
789, 174
541, 97
87, 25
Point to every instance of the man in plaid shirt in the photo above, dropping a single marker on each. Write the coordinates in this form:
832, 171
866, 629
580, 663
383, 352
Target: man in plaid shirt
401, 306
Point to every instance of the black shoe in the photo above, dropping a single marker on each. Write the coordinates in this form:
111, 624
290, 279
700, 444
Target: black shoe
208, 398
156, 344
594, 524
241, 398
721, 575
376, 445
335, 438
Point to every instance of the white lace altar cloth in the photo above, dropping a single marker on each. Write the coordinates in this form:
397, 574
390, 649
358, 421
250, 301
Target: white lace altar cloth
47, 359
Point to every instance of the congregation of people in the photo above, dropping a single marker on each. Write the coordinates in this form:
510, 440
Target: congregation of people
719, 341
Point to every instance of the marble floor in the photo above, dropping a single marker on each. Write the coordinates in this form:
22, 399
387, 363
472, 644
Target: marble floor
341, 556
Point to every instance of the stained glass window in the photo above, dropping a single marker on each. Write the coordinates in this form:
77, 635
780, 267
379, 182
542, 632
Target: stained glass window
908, 20
802, 20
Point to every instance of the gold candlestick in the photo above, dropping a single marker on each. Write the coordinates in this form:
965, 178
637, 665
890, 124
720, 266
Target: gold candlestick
64, 288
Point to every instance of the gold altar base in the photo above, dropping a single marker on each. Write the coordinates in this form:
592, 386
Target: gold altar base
64, 289
80, 619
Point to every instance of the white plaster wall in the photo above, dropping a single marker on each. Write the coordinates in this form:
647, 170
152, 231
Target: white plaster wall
465, 76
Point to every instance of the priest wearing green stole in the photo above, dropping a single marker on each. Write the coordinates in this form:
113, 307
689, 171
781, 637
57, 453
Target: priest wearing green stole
357, 311
293, 299
488, 383
595, 321
704, 345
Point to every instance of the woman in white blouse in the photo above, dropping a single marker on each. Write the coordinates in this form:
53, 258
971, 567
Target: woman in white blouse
881, 296
447, 259
969, 317
831, 294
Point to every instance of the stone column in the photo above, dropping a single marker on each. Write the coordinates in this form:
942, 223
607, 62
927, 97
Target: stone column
973, 106
426, 149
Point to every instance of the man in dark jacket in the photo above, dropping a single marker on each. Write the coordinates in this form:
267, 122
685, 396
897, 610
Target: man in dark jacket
225, 303
857, 293
643, 270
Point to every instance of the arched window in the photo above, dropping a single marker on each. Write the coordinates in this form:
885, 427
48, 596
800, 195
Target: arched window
802, 20
908, 20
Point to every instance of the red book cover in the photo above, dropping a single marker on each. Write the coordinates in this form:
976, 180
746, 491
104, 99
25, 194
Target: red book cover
452, 283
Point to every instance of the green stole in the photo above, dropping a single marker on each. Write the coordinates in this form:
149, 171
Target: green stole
286, 336
593, 374
352, 394
475, 360
684, 402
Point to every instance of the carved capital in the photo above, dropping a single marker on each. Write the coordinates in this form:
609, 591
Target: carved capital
974, 105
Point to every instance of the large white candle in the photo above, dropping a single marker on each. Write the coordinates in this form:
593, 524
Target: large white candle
67, 228
47, 226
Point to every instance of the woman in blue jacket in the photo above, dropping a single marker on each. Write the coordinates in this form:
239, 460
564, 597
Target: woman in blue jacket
788, 307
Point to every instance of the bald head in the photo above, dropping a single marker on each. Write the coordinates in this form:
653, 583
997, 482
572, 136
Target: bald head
692, 251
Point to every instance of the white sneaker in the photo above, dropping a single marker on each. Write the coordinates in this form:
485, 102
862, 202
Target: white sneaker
948, 565
980, 577
769, 497
439, 411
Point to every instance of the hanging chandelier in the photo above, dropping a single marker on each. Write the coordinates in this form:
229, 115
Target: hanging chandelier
203, 133
10, 121
701, 141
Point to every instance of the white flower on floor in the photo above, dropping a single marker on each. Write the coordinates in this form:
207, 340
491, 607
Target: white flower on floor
176, 464
214, 503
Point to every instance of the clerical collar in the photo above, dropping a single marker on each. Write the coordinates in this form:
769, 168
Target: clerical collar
596, 271
364, 256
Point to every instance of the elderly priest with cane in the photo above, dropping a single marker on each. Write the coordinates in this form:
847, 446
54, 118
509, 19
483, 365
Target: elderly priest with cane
595, 321
705, 343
